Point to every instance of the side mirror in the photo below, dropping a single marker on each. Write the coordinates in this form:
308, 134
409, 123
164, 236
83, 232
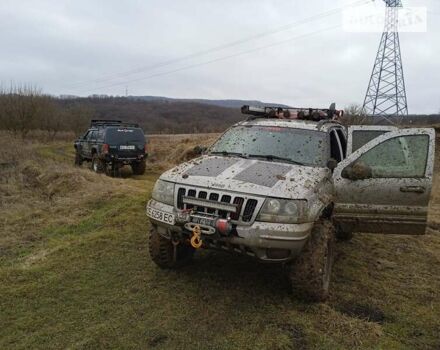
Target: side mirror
357, 171
199, 150
332, 164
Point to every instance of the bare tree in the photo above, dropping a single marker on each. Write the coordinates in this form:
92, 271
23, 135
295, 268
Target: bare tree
78, 117
53, 118
355, 115
21, 109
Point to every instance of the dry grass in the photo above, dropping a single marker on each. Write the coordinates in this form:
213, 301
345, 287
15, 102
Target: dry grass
39, 185
165, 151
75, 272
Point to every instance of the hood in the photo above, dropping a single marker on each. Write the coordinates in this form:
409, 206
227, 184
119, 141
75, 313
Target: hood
251, 176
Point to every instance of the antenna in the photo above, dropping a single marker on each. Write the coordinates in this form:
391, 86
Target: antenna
386, 93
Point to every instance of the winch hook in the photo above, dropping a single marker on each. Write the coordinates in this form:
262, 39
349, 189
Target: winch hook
196, 239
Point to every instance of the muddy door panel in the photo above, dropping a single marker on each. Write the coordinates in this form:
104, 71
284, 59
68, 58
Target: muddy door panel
385, 185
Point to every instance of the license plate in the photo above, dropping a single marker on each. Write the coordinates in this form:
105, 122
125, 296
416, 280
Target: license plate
124, 147
161, 216
203, 221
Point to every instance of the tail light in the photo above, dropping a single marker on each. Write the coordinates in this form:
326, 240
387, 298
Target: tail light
145, 147
105, 148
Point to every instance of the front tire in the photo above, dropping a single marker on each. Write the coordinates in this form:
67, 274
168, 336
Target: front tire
342, 235
98, 165
162, 251
310, 273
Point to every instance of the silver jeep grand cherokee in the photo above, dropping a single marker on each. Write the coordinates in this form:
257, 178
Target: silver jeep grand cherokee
281, 190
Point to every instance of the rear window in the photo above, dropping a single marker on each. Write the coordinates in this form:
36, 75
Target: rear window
124, 135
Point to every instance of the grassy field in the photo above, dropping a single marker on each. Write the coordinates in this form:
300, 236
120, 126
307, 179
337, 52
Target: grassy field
75, 272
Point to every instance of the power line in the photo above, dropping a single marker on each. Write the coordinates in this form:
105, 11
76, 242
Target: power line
217, 59
218, 48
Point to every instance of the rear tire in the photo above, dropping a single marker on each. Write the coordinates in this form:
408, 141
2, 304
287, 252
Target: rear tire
139, 168
162, 251
98, 165
310, 273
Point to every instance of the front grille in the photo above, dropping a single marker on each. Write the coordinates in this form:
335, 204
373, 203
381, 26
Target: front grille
249, 210
247, 207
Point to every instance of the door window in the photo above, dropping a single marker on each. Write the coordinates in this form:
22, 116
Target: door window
362, 137
92, 135
399, 157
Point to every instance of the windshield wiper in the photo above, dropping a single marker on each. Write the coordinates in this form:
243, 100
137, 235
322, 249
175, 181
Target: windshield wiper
225, 153
272, 157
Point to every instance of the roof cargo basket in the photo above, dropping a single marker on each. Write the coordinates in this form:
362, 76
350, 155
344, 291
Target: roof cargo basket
107, 122
315, 114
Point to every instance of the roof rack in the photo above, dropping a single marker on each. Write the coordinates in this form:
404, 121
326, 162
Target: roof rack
315, 114
107, 122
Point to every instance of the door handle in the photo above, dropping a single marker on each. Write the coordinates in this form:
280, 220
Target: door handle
416, 189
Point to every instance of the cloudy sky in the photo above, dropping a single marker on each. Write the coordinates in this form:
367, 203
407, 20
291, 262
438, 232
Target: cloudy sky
287, 51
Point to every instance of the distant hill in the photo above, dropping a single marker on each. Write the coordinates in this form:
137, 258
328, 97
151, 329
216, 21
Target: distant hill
165, 115
160, 115
219, 103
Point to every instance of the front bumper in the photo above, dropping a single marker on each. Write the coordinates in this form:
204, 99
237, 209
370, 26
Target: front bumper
270, 242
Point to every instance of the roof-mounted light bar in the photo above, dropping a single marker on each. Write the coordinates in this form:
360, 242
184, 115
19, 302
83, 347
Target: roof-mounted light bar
315, 114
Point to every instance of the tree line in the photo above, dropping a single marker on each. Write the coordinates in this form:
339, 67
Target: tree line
26, 108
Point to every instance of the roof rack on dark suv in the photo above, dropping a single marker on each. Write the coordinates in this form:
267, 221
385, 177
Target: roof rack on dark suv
107, 122
315, 114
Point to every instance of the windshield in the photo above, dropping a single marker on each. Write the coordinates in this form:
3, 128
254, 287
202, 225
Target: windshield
124, 135
305, 147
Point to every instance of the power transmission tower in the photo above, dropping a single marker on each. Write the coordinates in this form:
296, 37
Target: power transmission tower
386, 94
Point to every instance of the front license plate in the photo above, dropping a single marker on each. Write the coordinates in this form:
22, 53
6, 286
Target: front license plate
203, 221
124, 147
161, 216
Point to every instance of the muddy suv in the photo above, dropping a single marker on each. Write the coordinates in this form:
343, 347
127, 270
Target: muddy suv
110, 144
281, 190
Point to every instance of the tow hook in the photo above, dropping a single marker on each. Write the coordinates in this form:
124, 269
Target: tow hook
196, 240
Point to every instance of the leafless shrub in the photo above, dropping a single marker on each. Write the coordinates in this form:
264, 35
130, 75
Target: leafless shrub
25, 108
355, 115
20, 109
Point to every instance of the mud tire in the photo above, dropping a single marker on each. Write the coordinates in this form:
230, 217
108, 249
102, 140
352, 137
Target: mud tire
342, 235
139, 168
162, 251
98, 166
78, 159
310, 273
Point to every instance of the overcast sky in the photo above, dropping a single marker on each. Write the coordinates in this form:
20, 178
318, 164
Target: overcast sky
154, 47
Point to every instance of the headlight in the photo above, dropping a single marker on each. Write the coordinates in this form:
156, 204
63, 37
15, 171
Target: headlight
284, 211
163, 192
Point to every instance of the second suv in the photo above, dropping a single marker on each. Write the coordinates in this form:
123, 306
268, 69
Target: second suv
110, 144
